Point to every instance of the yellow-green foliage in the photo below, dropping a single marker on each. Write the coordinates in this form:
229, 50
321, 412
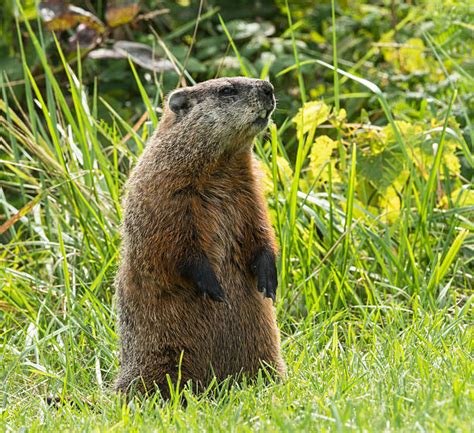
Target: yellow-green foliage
382, 171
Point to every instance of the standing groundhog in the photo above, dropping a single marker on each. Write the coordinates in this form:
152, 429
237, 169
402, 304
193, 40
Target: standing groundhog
198, 247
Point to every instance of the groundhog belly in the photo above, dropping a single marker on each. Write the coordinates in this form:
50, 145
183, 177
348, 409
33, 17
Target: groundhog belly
195, 337
247, 335
220, 339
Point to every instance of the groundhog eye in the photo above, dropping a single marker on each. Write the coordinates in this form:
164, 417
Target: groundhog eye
228, 91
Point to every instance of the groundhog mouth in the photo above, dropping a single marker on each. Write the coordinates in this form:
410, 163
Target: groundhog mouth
262, 118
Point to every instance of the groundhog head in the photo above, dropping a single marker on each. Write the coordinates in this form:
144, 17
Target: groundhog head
224, 110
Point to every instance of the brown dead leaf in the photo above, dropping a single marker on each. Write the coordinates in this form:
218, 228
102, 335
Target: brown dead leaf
59, 15
121, 12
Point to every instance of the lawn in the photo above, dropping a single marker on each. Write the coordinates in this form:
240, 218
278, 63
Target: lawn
367, 169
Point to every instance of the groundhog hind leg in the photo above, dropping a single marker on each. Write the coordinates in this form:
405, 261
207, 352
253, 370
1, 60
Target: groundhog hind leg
151, 378
131, 381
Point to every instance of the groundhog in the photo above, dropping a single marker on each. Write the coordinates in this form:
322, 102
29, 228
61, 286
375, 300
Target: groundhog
197, 276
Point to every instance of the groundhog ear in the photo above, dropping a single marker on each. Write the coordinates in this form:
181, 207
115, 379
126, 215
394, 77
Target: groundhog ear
178, 101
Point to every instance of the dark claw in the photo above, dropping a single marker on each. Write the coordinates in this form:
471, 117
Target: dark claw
264, 268
271, 295
200, 273
215, 292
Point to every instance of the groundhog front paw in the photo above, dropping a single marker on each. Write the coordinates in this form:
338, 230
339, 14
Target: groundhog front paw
264, 268
200, 273
213, 289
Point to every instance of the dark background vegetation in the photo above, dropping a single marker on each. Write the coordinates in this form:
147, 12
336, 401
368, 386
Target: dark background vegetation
260, 31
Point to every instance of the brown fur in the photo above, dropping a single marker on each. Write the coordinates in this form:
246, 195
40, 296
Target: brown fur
195, 189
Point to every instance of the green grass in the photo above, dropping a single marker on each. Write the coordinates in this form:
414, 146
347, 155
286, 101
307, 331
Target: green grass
393, 370
376, 317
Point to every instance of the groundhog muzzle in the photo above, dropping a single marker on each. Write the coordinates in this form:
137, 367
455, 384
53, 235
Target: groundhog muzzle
197, 275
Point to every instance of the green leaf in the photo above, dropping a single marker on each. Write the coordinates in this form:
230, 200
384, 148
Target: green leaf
382, 168
310, 116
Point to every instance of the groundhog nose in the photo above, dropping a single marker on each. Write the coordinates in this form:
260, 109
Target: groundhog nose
266, 92
267, 89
